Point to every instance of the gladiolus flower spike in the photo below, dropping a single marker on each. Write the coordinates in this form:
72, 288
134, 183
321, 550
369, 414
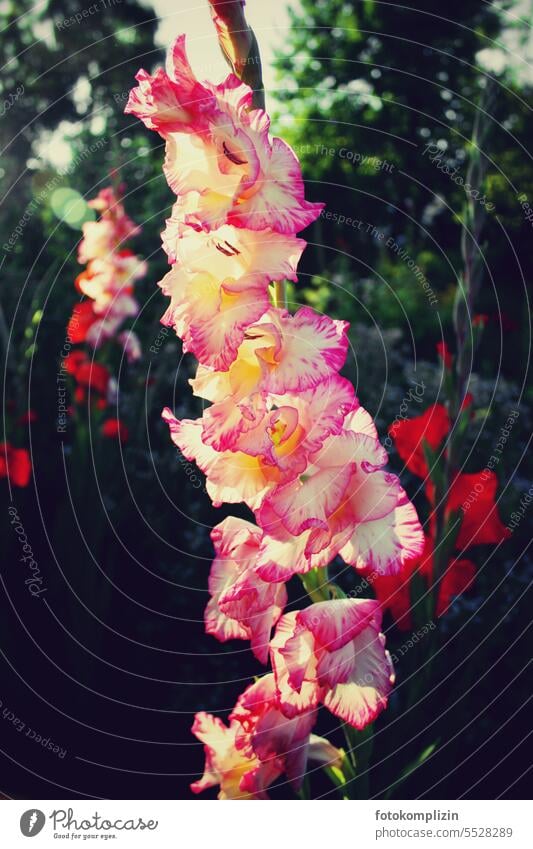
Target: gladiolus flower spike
284, 433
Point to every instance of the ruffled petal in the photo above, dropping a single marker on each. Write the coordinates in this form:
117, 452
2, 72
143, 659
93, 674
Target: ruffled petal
218, 740
303, 350
322, 410
384, 545
335, 667
221, 626
171, 100
224, 572
335, 623
210, 384
360, 700
236, 538
231, 477
210, 319
293, 701
307, 504
278, 198
360, 421
366, 453
282, 554
262, 624
225, 422
372, 495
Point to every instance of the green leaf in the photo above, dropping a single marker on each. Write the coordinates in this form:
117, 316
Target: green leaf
404, 775
435, 464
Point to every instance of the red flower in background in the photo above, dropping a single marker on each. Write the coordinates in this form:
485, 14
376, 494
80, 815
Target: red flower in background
394, 593
15, 464
113, 428
475, 495
432, 426
74, 360
27, 417
87, 372
94, 376
468, 400
80, 322
444, 353
88, 375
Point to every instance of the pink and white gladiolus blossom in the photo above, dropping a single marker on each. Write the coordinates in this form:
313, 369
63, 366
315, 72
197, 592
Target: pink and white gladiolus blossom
345, 503
259, 745
242, 606
218, 286
249, 459
219, 149
111, 272
266, 733
238, 775
333, 652
107, 235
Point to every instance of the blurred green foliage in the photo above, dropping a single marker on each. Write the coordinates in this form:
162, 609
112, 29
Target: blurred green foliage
374, 92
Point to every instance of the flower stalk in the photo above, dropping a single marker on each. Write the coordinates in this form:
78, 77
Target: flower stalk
473, 220
281, 433
239, 45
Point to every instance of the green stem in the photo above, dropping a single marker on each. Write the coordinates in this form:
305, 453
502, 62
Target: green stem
316, 584
343, 776
360, 745
305, 792
280, 294
239, 46
474, 215
241, 51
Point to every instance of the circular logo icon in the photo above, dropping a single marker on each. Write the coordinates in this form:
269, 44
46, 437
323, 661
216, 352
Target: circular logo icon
32, 822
